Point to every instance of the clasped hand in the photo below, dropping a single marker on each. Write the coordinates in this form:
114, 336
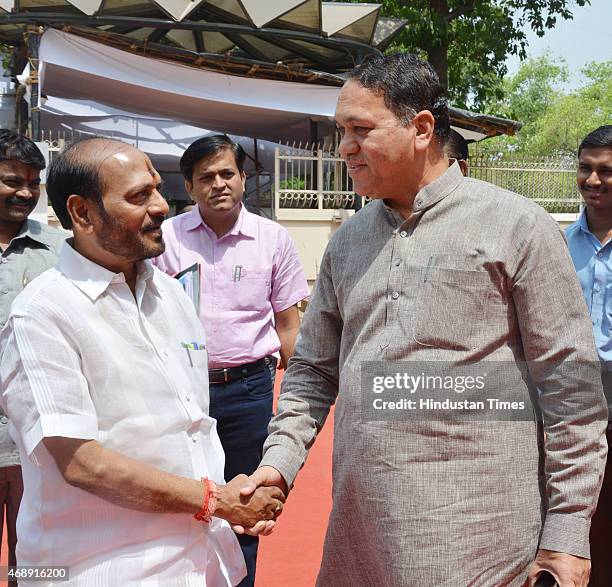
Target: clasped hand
246, 510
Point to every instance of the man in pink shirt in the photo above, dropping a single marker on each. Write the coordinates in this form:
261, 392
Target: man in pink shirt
251, 281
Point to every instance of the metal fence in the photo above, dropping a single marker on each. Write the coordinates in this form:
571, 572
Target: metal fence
311, 177
58, 140
549, 181
314, 177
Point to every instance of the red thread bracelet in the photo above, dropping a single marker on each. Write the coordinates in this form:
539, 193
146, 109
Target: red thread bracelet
209, 501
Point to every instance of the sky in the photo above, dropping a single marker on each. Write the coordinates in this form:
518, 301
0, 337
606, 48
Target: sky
586, 38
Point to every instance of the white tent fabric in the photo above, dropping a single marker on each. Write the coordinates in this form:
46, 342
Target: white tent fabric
162, 106
77, 68
162, 139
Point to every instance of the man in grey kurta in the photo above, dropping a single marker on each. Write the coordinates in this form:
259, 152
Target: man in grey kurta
27, 248
442, 268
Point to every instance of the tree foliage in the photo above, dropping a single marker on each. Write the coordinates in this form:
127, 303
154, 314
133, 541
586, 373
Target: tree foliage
571, 117
468, 41
554, 120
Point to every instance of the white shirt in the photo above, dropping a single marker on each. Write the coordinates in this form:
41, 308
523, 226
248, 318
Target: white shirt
81, 358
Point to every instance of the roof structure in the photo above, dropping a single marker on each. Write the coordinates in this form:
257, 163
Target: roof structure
305, 41
298, 34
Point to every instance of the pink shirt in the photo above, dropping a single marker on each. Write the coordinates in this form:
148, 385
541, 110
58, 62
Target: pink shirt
247, 276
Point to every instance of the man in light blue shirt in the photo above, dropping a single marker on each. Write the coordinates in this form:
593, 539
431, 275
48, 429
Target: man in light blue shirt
590, 244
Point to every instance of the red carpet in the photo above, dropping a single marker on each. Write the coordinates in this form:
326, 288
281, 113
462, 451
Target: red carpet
291, 556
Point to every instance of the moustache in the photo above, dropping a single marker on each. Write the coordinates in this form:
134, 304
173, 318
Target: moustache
153, 226
19, 202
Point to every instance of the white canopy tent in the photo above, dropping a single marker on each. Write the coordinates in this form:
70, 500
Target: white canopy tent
76, 68
162, 139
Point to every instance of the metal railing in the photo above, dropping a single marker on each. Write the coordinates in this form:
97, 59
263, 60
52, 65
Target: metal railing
316, 178
311, 177
549, 181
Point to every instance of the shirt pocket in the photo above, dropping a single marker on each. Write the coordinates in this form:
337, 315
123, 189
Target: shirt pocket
196, 360
450, 308
251, 291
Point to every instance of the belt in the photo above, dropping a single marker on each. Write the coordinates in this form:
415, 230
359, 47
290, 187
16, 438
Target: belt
232, 373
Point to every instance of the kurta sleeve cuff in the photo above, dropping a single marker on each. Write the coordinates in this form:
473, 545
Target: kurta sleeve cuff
566, 533
68, 426
285, 461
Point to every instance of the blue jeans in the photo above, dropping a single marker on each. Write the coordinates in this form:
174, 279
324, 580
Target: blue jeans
243, 409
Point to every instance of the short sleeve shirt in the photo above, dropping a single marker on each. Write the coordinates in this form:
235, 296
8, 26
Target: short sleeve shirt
593, 262
247, 276
30, 253
82, 357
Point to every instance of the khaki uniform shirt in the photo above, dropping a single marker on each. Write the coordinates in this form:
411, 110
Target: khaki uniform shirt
30, 253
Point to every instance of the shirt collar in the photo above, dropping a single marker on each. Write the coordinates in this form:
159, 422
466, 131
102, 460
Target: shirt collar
193, 219
32, 230
93, 279
438, 189
582, 222
431, 194
245, 224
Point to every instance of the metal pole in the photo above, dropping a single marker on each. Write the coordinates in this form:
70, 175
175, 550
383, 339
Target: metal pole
320, 177
276, 198
317, 166
33, 34
256, 160
314, 134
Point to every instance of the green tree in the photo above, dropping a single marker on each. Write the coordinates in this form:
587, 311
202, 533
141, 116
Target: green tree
468, 41
554, 121
527, 96
571, 117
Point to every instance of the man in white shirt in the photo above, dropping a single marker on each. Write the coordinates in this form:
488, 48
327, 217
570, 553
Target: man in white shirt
103, 372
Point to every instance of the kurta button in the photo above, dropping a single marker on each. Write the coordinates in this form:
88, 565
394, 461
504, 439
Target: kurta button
187, 399
398, 262
403, 234
4, 260
395, 295
4, 420
194, 439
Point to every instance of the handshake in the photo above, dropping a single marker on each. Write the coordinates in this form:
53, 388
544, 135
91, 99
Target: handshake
252, 504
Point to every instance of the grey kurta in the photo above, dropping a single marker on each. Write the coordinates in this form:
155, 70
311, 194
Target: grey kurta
443, 502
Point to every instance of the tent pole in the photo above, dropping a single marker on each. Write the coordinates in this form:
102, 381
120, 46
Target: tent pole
314, 147
314, 133
33, 34
256, 160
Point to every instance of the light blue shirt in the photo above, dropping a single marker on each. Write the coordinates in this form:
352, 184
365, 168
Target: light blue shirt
593, 262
